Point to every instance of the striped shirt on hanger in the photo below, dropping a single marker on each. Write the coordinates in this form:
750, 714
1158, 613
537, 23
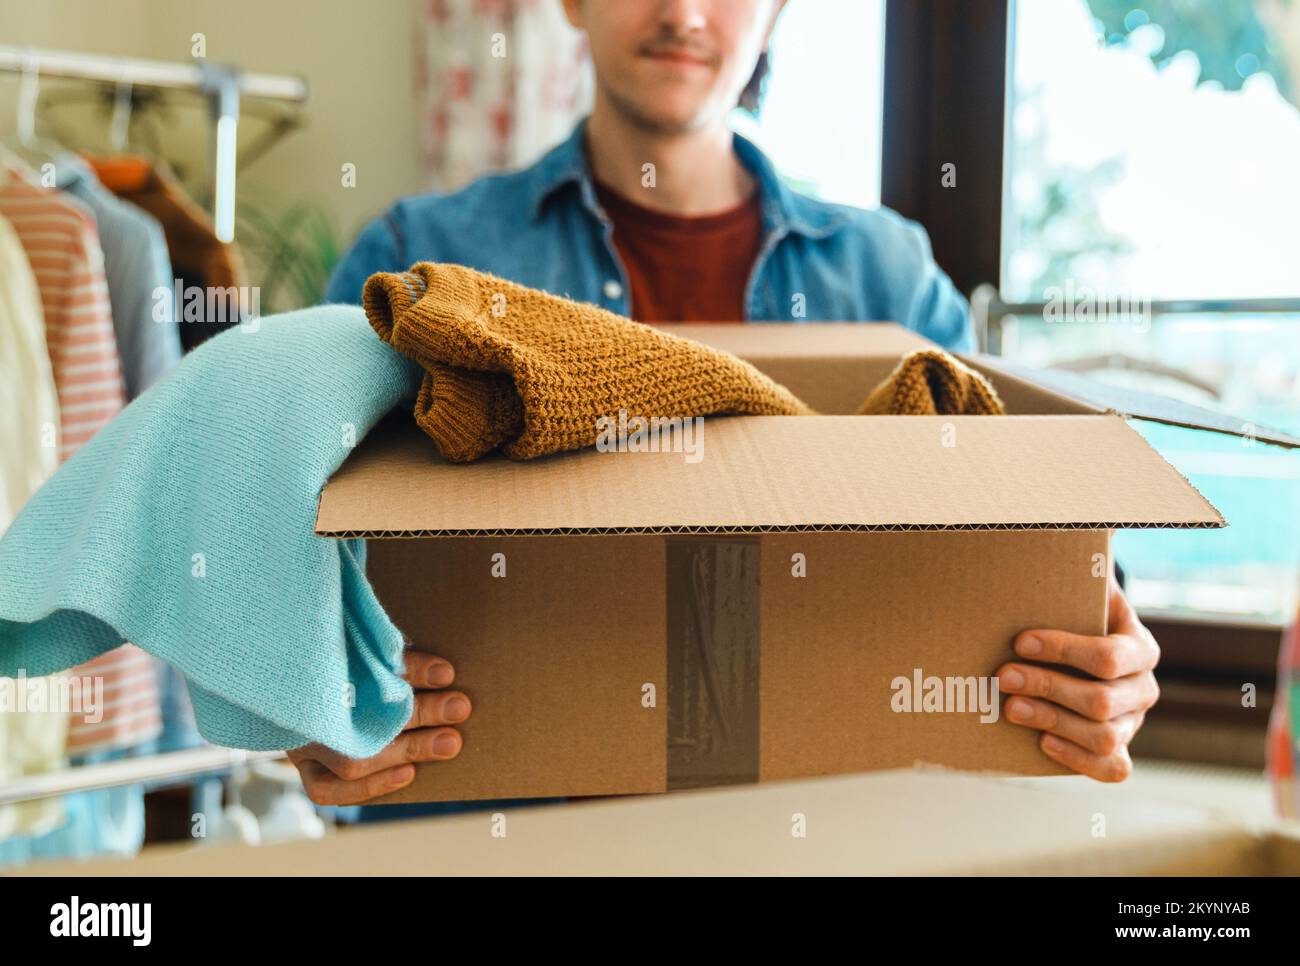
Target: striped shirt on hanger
62, 247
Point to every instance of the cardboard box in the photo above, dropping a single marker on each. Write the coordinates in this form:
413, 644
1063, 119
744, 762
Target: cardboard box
636, 622
890, 823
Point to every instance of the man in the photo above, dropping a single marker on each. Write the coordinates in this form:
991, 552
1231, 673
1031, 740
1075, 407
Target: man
654, 209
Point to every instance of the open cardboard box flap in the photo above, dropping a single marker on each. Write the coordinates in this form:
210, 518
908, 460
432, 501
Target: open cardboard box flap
778, 473
1046, 391
1059, 461
1106, 397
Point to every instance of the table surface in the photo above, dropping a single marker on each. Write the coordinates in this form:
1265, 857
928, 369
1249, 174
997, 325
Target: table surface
920, 821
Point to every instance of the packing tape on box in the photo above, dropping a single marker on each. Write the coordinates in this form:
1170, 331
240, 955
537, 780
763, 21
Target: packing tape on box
713, 643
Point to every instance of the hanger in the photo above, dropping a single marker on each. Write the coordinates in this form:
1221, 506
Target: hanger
33, 150
125, 166
119, 125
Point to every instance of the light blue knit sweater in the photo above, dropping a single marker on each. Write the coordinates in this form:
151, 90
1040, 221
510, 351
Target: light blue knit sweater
185, 526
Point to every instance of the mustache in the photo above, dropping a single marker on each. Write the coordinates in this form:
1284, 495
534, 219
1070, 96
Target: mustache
679, 46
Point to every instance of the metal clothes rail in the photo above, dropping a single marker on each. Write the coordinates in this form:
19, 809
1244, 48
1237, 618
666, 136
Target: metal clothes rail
157, 770
223, 85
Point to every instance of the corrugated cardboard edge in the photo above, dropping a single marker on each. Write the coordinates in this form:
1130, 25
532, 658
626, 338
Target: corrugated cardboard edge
1003, 371
1201, 496
783, 528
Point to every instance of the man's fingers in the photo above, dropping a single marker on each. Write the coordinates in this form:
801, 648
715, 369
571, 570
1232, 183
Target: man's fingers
434, 708
430, 744
1107, 658
1104, 768
326, 788
1121, 618
1097, 700
1102, 738
427, 671
334, 779
417, 744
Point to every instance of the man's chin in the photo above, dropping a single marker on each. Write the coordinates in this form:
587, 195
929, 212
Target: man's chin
673, 112
670, 120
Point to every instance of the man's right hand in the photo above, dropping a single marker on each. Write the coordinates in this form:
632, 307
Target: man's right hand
332, 779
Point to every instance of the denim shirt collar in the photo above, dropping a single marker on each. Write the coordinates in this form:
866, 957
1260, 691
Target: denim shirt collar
784, 210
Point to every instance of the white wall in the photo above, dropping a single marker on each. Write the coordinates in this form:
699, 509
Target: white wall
357, 56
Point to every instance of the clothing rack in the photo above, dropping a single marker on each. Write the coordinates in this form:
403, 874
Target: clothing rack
223, 85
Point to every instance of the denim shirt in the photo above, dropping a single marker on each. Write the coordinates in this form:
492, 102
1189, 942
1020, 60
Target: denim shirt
543, 227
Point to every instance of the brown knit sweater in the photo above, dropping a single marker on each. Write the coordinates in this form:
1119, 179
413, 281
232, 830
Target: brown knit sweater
513, 367
530, 373
930, 382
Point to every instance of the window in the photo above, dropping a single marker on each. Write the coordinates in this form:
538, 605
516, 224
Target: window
820, 118
1239, 364
1152, 152
1153, 147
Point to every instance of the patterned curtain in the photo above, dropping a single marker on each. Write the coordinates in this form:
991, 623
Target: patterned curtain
499, 82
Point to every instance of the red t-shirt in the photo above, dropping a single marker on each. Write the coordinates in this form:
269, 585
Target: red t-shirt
685, 269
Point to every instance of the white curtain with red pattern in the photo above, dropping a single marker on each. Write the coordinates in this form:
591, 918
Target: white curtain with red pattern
499, 82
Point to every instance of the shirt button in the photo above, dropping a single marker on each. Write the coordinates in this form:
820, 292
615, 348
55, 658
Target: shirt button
613, 290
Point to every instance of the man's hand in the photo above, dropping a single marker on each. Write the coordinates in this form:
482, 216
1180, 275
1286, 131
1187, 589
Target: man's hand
1087, 724
331, 779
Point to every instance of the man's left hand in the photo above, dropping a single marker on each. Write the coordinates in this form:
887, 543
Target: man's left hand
1086, 722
